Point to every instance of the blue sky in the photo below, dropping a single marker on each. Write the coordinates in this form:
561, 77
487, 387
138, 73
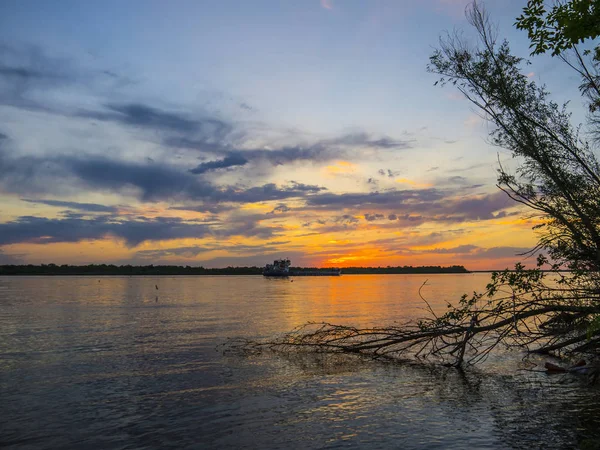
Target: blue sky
230, 132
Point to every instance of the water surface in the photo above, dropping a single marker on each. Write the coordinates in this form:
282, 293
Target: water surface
132, 362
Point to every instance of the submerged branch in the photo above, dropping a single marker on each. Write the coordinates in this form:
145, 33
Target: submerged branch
528, 316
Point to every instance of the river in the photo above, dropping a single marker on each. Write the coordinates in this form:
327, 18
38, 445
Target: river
135, 362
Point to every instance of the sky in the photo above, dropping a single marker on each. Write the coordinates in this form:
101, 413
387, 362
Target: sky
232, 133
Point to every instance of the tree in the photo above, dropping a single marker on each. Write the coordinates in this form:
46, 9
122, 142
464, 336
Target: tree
560, 30
559, 176
562, 27
557, 179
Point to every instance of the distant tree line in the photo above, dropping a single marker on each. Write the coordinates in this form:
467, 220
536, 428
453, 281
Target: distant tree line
404, 269
111, 269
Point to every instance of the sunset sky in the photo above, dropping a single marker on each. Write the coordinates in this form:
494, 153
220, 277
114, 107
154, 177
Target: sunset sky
236, 132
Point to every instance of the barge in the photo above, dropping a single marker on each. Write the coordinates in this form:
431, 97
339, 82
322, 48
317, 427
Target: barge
281, 268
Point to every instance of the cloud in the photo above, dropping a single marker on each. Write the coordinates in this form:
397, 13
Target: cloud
195, 250
365, 140
133, 232
89, 207
230, 161
458, 180
372, 217
213, 208
145, 116
469, 251
281, 208
498, 252
29, 67
461, 249
29, 75
419, 204
389, 173
267, 192
228, 142
388, 198
346, 219
149, 182
39, 230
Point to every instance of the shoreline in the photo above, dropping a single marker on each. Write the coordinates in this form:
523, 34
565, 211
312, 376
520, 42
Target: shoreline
112, 270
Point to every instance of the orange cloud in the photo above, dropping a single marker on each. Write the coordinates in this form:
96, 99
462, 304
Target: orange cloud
340, 168
413, 183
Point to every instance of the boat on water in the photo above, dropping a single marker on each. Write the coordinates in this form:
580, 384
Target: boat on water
281, 268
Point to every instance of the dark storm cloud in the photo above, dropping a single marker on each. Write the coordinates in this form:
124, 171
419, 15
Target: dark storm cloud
229, 161
90, 207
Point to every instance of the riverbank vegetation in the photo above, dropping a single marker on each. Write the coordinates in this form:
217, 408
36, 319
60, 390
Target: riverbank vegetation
557, 179
111, 269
